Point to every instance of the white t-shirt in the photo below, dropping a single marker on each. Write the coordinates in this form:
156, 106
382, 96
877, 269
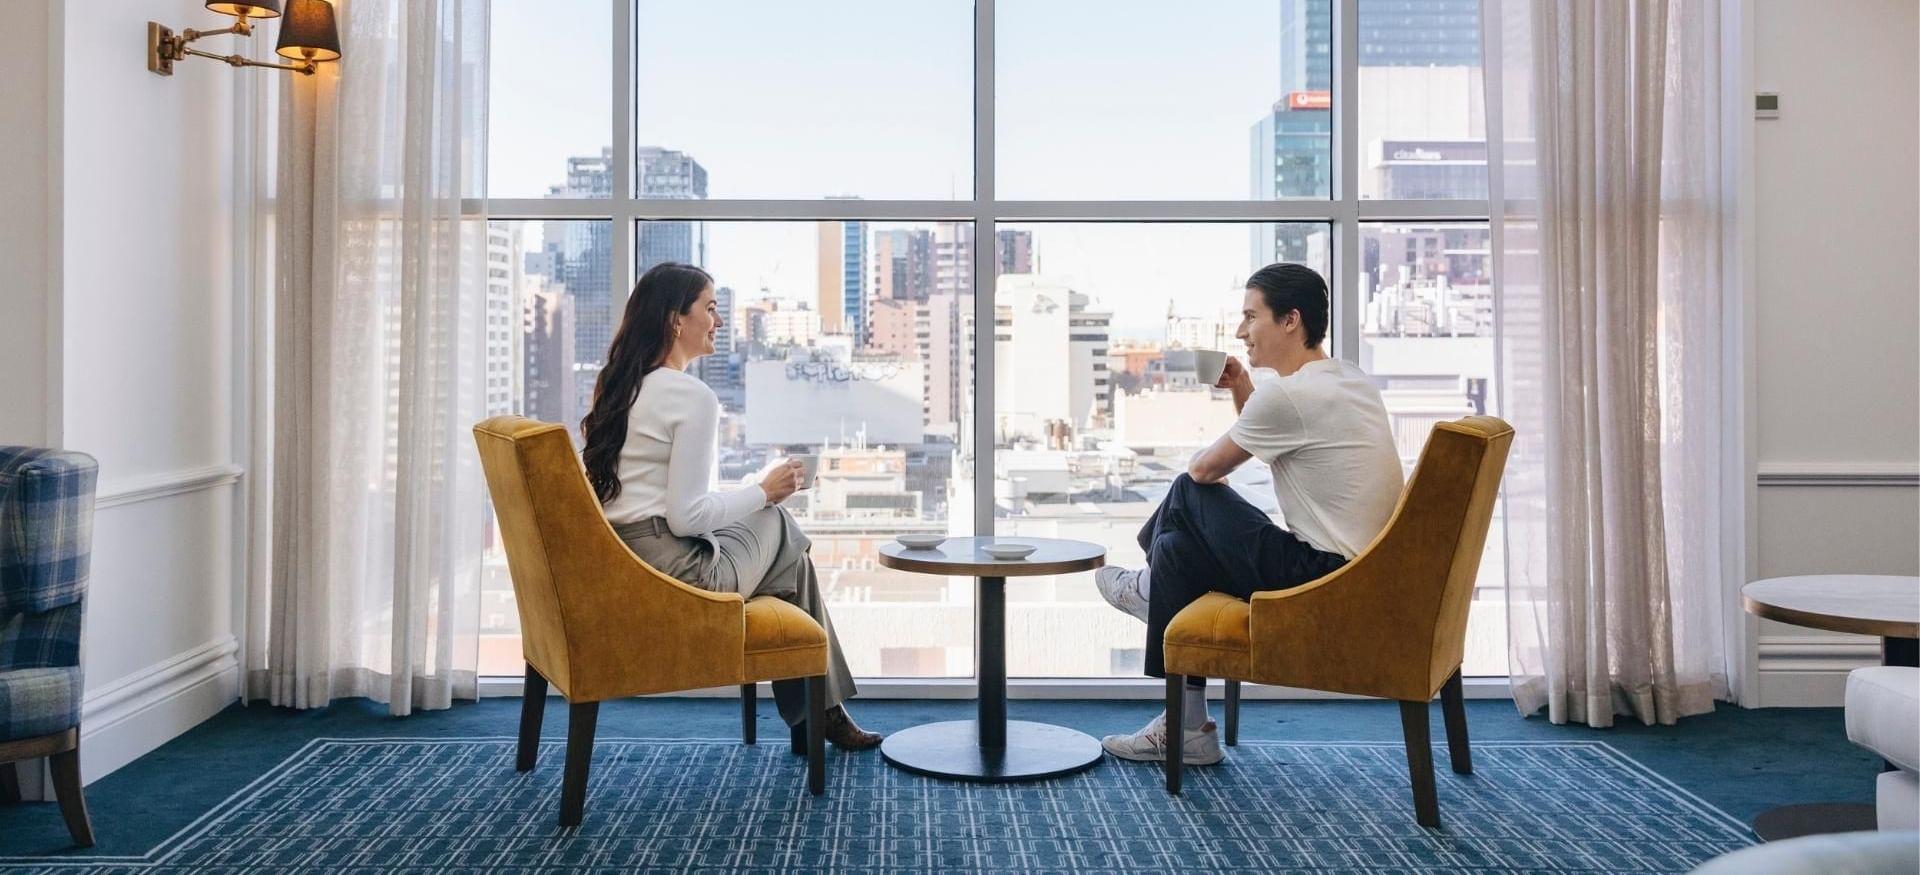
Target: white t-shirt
671, 459
1324, 431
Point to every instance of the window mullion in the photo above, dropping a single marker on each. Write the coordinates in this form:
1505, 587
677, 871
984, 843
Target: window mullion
620, 237
1345, 282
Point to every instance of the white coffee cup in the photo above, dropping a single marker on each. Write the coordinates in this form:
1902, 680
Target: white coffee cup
1208, 364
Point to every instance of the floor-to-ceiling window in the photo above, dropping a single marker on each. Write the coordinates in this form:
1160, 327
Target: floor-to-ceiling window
875, 185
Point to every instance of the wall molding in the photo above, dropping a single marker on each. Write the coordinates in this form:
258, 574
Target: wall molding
123, 720
1838, 474
133, 490
1810, 671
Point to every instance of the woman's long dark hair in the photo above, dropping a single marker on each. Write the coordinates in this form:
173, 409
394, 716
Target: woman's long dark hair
641, 344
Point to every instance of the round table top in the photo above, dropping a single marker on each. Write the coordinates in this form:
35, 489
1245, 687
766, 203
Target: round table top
964, 556
1869, 604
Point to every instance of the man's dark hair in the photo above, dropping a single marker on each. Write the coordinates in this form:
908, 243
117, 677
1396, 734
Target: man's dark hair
1294, 287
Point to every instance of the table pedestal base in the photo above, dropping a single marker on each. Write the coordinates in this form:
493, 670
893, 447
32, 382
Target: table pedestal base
951, 750
1793, 821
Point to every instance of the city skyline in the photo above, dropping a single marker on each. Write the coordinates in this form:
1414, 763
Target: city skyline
851, 342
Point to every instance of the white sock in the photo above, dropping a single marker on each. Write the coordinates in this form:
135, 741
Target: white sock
1194, 707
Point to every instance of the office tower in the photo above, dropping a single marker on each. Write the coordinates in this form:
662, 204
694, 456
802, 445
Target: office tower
721, 371
840, 256
547, 326
1013, 251
1050, 358
902, 265
579, 256
853, 260
501, 356
1420, 49
665, 174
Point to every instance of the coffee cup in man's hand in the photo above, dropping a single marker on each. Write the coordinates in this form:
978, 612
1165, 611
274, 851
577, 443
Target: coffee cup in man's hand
1208, 365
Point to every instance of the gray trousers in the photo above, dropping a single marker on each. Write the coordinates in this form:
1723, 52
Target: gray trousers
762, 555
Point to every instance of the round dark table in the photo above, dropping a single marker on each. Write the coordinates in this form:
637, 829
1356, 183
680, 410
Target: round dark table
1868, 604
992, 749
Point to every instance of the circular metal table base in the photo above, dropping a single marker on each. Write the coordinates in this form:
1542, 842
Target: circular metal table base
951, 750
1793, 821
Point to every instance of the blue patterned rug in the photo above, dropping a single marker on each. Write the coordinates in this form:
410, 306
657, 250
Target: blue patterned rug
450, 805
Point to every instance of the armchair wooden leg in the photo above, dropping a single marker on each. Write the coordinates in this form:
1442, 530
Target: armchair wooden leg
799, 733
533, 707
817, 734
749, 712
9, 784
1453, 705
1413, 723
1176, 700
73, 799
581, 720
1233, 712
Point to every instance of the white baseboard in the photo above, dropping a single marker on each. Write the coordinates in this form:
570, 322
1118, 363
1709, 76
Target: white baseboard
123, 720
1810, 671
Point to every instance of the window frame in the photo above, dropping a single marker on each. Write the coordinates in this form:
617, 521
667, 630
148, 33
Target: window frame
1344, 211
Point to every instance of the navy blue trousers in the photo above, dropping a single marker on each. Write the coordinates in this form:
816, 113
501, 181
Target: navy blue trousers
1205, 538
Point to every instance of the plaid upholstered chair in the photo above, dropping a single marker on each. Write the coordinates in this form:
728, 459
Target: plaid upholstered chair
46, 537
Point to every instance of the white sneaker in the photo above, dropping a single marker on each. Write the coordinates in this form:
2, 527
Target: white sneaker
1123, 588
1201, 746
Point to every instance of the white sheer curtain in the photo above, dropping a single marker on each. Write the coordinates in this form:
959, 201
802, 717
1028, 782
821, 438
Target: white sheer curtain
379, 333
1603, 128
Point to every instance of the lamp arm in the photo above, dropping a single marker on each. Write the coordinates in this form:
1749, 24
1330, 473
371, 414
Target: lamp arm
239, 26
307, 68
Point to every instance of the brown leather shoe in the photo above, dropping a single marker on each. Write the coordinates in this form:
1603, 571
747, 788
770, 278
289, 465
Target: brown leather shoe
846, 734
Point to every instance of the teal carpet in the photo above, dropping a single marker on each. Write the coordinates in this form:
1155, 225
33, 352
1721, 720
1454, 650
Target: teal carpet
1326, 780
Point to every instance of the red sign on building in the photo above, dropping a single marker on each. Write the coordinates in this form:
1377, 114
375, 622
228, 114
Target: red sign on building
1309, 100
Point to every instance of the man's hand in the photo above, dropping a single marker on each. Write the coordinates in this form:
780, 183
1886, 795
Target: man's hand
1236, 379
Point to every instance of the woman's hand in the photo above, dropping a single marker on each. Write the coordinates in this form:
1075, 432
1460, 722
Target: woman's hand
782, 481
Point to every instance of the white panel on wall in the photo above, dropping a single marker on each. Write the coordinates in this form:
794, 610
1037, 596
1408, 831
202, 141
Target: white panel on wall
1838, 303
25, 290
1837, 310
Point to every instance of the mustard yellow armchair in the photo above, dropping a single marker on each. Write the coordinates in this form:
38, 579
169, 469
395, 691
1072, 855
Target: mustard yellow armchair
1392, 623
598, 623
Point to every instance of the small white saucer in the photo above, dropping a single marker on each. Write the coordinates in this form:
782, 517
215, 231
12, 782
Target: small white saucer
920, 542
1010, 551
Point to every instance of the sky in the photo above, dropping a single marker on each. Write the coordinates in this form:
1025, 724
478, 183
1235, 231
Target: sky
1096, 99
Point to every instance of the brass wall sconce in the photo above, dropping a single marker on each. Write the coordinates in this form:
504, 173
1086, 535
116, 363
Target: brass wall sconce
307, 36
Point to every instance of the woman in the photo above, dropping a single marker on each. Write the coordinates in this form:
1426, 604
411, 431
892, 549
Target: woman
650, 445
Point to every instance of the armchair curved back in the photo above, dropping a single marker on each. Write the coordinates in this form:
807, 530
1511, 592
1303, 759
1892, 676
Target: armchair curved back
1392, 623
596, 620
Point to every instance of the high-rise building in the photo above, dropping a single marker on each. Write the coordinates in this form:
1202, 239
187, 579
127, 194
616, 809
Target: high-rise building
1050, 359
501, 355
721, 371
1013, 251
1292, 155
902, 265
841, 257
666, 174
579, 256
853, 261
547, 326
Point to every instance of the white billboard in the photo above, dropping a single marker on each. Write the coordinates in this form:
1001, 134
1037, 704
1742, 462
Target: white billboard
814, 402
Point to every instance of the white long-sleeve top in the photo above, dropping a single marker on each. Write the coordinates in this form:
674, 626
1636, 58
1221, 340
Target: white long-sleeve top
670, 460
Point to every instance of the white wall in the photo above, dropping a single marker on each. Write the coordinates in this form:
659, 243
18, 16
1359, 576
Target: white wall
141, 266
24, 104
1837, 314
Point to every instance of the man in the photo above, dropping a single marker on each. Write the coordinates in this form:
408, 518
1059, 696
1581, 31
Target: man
1319, 423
